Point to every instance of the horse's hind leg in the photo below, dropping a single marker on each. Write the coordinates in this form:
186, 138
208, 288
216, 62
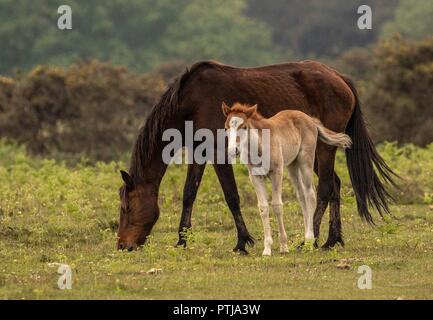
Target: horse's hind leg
277, 206
228, 184
328, 191
335, 234
192, 183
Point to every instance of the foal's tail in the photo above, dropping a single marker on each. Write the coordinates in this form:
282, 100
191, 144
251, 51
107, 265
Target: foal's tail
340, 140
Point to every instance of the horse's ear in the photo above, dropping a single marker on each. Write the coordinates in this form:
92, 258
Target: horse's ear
127, 179
251, 111
226, 109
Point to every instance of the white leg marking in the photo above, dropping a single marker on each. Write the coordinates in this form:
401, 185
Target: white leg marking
306, 172
262, 198
304, 199
277, 206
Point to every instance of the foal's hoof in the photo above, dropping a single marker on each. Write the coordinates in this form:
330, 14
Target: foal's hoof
267, 253
284, 248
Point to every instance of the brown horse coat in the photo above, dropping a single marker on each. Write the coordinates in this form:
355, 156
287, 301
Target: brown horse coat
308, 86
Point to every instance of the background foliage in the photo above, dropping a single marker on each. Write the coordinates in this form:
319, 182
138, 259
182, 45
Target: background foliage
91, 109
86, 91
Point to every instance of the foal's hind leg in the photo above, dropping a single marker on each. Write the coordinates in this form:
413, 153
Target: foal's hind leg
262, 199
301, 174
277, 205
306, 175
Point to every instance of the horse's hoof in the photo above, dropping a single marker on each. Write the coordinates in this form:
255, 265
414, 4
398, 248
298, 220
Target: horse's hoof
309, 245
329, 244
181, 244
300, 246
241, 251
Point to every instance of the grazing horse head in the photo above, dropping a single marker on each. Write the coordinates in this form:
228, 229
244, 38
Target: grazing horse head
138, 213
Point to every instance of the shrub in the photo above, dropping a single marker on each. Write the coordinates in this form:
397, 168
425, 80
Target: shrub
398, 95
91, 108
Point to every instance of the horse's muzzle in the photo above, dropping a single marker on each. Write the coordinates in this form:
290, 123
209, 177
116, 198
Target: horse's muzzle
130, 247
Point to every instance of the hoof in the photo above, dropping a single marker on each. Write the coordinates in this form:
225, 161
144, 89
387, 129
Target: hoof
300, 246
267, 253
329, 244
241, 251
242, 243
309, 245
181, 244
284, 248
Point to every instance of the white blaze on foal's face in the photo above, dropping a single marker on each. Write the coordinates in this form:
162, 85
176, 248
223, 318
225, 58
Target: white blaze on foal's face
234, 124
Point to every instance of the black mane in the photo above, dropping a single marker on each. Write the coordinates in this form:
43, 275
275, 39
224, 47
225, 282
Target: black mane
151, 133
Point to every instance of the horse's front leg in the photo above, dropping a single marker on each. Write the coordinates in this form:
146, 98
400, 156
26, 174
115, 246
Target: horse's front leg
262, 199
192, 183
228, 183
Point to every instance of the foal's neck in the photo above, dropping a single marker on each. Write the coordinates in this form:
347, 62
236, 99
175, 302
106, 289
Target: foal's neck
253, 140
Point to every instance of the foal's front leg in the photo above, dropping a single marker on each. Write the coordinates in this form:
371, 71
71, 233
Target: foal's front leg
262, 199
277, 206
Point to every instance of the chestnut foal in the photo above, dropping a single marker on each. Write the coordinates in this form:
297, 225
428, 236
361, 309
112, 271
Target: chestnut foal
292, 144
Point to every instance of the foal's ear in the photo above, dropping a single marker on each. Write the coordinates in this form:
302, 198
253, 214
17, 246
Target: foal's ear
251, 110
226, 109
127, 179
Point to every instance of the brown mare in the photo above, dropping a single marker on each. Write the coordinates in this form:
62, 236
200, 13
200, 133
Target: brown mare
196, 95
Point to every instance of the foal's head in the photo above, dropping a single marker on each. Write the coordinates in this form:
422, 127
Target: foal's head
138, 213
238, 117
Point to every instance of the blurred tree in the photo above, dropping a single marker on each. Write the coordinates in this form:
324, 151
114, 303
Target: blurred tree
217, 29
320, 28
398, 96
412, 18
90, 108
141, 34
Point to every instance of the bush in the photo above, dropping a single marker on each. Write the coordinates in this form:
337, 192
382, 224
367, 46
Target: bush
91, 108
398, 95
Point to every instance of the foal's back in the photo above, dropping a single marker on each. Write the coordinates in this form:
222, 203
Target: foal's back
291, 125
292, 131
287, 118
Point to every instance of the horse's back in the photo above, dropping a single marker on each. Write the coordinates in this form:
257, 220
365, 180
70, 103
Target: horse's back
308, 86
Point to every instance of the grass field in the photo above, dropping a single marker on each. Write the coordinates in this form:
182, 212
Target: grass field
52, 213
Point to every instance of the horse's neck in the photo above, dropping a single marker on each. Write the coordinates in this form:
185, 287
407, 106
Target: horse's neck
152, 172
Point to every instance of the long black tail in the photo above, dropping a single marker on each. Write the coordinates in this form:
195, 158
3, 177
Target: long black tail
362, 159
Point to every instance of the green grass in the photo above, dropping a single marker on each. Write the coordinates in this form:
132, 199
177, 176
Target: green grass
53, 213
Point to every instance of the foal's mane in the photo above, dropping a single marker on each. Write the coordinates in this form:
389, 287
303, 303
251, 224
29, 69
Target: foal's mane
243, 108
150, 134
